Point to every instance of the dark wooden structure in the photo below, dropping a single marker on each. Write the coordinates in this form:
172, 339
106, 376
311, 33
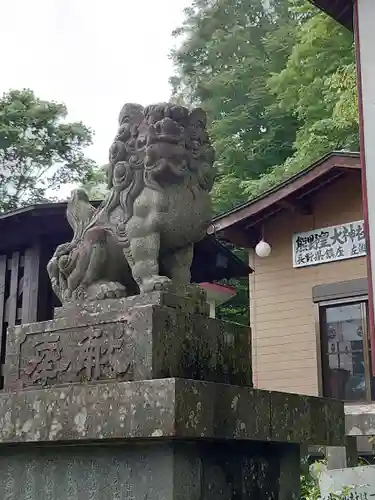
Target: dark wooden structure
28, 238
341, 10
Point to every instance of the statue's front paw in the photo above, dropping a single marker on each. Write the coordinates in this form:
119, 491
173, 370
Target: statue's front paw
154, 283
106, 290
66, 295
80, 293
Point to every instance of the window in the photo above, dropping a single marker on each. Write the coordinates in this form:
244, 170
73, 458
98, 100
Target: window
346, 357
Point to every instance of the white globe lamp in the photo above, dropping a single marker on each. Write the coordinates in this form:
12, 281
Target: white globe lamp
263, 249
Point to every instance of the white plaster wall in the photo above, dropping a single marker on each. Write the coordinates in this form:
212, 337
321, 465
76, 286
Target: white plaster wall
366, 23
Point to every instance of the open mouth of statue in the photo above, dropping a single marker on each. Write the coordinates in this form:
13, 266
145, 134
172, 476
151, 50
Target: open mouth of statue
170, 139
166, 155
166, 150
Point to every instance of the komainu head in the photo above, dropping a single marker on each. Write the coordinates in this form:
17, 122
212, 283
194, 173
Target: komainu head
160, 145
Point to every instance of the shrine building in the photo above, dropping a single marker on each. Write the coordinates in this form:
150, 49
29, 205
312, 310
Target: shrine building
309, 290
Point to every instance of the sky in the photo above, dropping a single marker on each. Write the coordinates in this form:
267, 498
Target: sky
93, 55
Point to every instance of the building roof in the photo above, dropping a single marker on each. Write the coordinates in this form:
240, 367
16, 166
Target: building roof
47, 222
292, 194
341, 10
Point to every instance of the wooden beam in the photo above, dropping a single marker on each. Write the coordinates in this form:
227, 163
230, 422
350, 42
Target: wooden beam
301, 207
22, 234
3, 272
30, 290
238, 236
13, 293
46, 297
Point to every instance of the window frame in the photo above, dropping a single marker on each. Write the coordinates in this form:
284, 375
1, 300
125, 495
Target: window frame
318, 315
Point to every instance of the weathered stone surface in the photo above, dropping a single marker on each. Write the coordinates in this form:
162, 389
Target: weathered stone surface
335, 431
189, 298
156, 409
290, 418
339, 457
238, 414
77, 412
174, 471
305, 419
290, 466
110, 341
83, 473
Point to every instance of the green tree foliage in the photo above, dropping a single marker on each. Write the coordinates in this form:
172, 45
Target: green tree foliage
277, 79
229, 50
96, 185
237, 309
39, 151
318, 85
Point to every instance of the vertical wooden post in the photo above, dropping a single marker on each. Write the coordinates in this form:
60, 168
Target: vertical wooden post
363, 31
30, 291
3, 271
13, 293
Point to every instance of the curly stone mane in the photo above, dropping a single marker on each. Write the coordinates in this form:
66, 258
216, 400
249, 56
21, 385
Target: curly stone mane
156, 147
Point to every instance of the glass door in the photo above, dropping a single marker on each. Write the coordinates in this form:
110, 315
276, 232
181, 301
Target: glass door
346, 352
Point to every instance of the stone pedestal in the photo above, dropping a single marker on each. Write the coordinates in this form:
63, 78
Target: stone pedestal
148, 398
173, 470
144, 337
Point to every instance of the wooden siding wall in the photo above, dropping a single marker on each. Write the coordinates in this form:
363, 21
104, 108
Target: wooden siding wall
282, 313
25, 294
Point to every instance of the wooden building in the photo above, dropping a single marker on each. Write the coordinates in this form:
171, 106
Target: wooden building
309, 297
287, 290
28, 238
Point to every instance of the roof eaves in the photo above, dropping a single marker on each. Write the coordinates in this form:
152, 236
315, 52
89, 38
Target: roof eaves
349, 154
38, 207
231, 255
341, 11
31, 208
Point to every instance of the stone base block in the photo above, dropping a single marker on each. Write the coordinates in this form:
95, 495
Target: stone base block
340, 457
166, 409
139, 338
159, 439
170, 470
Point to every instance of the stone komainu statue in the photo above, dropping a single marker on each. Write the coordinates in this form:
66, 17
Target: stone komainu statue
160, 173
